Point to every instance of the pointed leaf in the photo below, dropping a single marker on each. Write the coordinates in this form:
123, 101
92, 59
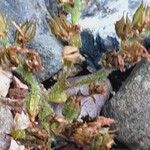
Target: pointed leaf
75, 40
138, 17
18, 134
2, 25
57, 93
76, 10
72, 108
33, 98
119, 27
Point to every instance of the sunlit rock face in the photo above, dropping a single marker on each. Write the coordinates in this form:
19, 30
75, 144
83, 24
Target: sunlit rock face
100, 15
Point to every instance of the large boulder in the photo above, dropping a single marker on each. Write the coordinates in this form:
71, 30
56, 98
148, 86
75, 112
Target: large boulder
130, 107
44, 42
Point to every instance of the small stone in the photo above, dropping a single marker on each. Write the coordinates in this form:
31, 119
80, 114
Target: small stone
18, 84
4, 141
6, 120
17, 93
15, 146
21, 121
5, 80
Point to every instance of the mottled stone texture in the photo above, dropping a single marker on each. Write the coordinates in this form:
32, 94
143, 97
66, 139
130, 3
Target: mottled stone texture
44, 42
130, 107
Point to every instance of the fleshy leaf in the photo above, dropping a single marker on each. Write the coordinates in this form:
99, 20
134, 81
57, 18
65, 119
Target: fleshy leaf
119, 27
2, 26
138, 17
99, 76
75, 13
45, 113
72, 108
18, 134
33, 98
57, 93
75, 40
100, 142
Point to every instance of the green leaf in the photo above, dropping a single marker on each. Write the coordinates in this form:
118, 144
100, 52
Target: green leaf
147, 12
57, 93
18, 134
99, 76
76, 11
71, 109
138, 17
33, 98
119, 27
67, 8
75, 40
45, 114
2, 25
100, 141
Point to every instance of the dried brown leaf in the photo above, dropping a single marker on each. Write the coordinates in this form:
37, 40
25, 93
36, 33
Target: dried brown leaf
65, 31
33, 62
72, 54
26, 32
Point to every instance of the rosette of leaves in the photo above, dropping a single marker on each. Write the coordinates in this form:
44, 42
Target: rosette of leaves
130, 54
95, 134
65, 31
131, 33
126, 28
25, 33
103, 141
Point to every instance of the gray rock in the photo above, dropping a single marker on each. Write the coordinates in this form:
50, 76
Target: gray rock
130, 107
5, 80
93, 49
5, 141
6, 120
44, 42
52, 7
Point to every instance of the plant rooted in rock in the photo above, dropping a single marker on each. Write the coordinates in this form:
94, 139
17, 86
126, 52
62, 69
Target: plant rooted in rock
131, 33
66, 31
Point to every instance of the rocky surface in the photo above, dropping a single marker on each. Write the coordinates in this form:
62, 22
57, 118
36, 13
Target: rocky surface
52, 7
44, 42
100, 15
5, 141
5, 80
15, 146
6, 120
93, 48
6, 126
130, 107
